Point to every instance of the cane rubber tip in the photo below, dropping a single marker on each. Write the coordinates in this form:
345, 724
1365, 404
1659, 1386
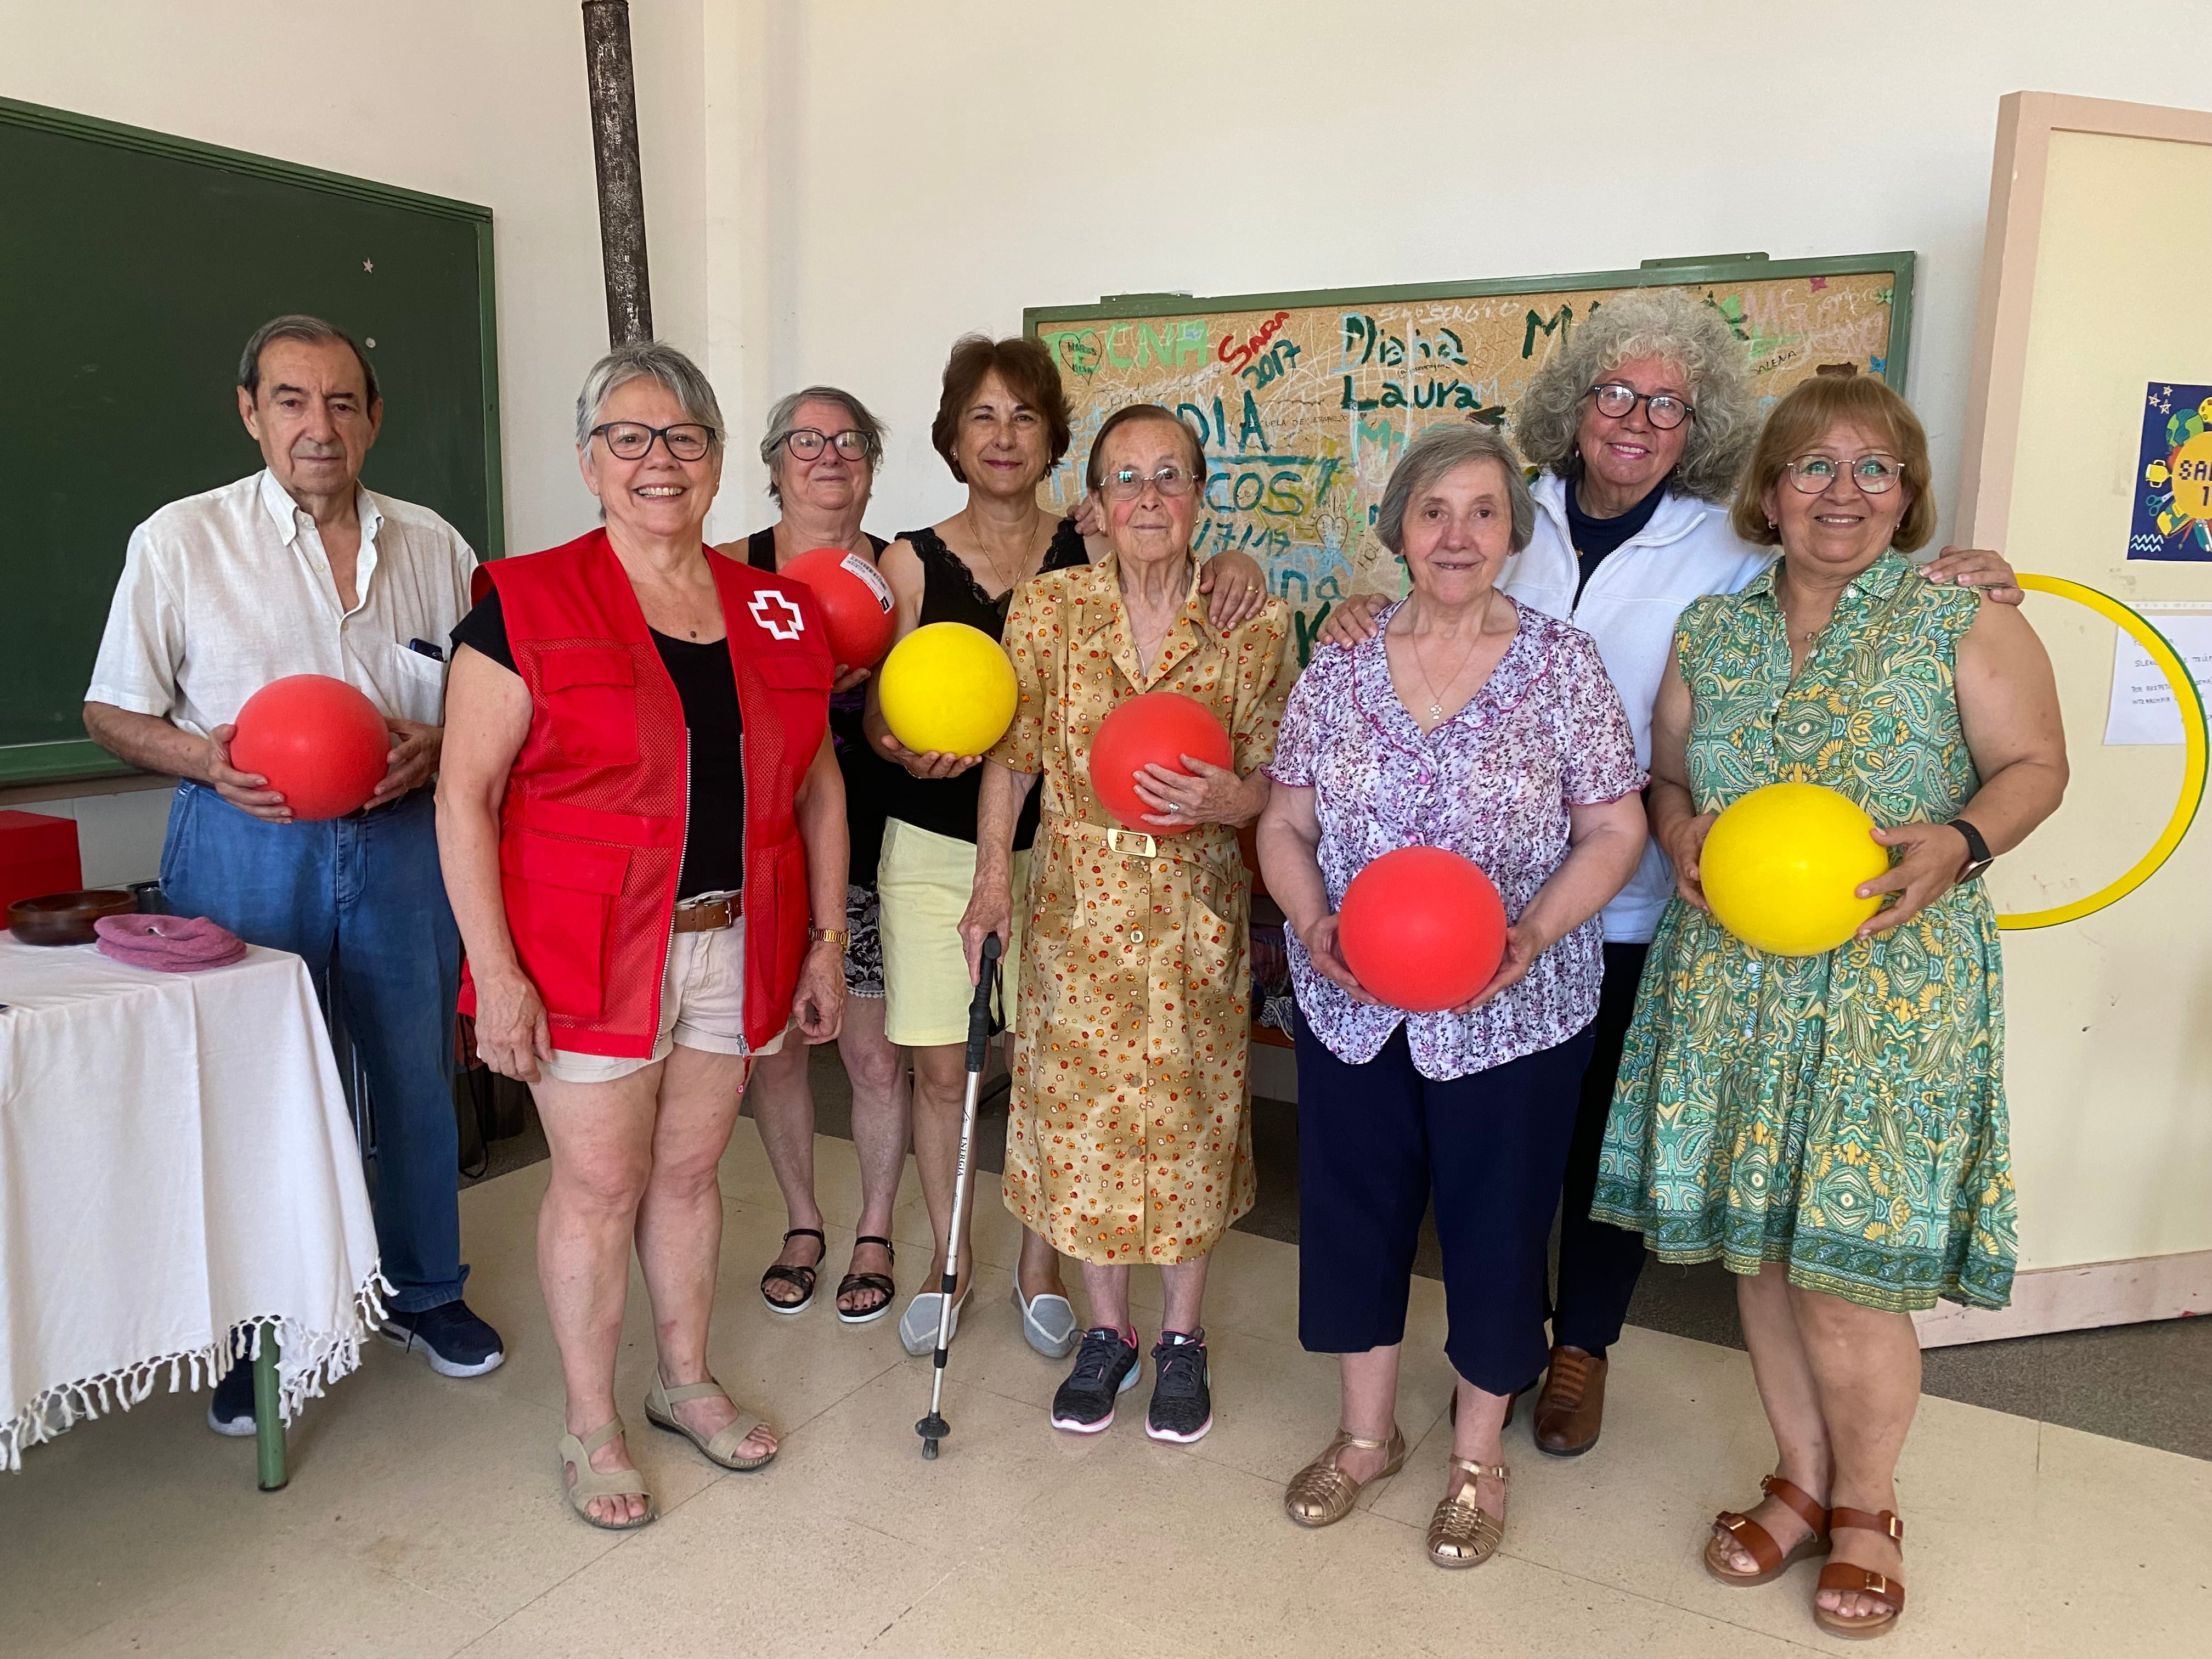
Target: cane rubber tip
929, 1451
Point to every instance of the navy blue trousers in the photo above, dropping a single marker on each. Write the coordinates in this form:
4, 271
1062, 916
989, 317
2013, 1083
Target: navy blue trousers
1375, 1142
1599, 1262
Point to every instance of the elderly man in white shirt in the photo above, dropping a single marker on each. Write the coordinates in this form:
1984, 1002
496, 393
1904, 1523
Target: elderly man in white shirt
299, 569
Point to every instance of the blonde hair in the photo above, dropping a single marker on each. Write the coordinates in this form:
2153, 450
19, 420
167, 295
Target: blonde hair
1806, 416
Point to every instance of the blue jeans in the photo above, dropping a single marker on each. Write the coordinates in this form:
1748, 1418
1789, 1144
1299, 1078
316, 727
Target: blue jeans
367, 892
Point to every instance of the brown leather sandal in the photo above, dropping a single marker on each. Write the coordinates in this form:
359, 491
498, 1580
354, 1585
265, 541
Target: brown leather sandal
1758, 1543
1862, 1581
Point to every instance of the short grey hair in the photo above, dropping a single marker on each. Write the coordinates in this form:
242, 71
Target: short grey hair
309, 330
647, 360
1444, 449
1668, 323
783, 421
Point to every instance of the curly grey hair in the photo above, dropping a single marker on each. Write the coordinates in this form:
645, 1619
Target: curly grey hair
783, 421
1443, 449
647, 360
1654, 323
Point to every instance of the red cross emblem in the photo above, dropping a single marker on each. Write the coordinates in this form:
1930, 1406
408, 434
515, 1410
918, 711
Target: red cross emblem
788, 626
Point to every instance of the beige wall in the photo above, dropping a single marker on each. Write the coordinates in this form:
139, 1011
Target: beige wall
934, 168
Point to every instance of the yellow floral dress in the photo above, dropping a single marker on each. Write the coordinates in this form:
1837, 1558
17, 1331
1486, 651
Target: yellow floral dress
1127, 1138
1844, 1114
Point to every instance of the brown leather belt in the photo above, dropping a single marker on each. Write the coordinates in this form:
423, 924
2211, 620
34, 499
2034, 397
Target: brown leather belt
707, 916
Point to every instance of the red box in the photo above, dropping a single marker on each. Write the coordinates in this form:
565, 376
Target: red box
38, 855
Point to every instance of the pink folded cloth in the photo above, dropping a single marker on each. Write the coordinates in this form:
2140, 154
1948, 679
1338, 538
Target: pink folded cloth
174, 944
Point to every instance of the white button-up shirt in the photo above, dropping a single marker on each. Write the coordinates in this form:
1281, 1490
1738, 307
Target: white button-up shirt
225, 591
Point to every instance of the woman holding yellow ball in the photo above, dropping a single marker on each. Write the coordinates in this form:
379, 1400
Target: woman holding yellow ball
1832, 1127
1002, 424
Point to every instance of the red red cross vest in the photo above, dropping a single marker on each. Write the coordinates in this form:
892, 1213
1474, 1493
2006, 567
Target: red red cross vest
592, 831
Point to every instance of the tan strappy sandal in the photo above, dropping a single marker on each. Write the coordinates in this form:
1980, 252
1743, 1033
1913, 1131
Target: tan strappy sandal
1322, 1494
1462, 1533
1758, 1543
660, 1404
1862, 1581
590, 1483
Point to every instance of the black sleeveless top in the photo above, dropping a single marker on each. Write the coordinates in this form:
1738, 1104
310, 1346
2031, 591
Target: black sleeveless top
947, 806
867, 775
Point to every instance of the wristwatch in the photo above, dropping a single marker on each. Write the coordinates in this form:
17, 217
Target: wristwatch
840, 936
1979, 856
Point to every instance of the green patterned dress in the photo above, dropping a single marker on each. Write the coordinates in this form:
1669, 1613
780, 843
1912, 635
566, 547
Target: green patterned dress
1844, 1113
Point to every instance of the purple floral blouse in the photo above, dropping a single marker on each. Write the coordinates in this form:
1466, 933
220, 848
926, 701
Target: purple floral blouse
1493, 783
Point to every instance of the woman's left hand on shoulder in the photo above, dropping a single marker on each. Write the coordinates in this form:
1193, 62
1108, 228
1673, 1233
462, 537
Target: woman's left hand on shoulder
1213, 794
1239, 589
819, 1002
1522, 947
847, 678
1934, 855
1975, 567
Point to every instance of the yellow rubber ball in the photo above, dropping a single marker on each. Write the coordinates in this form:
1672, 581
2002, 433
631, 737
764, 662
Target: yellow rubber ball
1782, 865
947, 688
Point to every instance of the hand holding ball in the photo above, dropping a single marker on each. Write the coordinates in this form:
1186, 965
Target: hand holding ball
1155, 728
320, 743
1782, 865
855, 601
1422, 929
947, 688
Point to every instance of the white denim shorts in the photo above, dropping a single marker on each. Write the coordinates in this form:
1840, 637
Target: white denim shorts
702, 1005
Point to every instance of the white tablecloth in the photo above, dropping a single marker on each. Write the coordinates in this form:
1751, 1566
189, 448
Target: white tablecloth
176, 1159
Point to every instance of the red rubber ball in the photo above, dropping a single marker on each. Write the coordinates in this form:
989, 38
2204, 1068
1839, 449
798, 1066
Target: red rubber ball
1422, 928
855, 603
1155, 728
319, 742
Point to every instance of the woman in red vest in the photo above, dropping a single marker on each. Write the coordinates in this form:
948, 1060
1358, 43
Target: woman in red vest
639, 815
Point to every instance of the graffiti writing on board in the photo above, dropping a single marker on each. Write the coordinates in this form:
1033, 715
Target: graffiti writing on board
1302, 410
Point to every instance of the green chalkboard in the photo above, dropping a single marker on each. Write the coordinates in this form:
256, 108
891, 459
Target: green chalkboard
133, 266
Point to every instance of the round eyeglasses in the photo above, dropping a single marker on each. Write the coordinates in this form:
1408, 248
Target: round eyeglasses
630, 440
1127, 483
1877, 475
804, 443
1614, 399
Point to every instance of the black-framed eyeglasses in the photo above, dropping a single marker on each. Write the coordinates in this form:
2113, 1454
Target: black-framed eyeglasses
1128, 482
1877, 475
804, 443
1614, 399
631, 440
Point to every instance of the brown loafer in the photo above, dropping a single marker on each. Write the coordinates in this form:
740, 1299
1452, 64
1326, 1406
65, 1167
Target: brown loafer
1570, 1410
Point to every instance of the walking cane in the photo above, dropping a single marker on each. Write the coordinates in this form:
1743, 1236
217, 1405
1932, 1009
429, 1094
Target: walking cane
933, 1427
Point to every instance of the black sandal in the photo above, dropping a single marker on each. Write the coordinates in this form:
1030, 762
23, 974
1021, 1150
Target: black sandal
881, 1282
802, 1277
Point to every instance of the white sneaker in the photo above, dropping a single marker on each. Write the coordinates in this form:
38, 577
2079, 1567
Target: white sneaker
1047, 1323
917, 1324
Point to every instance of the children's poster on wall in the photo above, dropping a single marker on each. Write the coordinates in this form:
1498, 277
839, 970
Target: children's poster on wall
2173, 475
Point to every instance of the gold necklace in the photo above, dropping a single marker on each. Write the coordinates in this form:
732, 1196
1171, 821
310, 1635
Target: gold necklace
997, 570
1436, 703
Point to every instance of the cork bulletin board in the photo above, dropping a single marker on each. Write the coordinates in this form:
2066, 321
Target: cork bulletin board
1306, 399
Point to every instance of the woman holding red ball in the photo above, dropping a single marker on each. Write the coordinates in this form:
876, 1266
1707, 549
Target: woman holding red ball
822, 448
1472, 724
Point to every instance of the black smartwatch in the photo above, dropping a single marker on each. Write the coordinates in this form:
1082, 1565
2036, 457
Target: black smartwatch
1979, 856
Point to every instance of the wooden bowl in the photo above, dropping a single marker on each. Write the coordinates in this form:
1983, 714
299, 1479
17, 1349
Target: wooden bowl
67, 918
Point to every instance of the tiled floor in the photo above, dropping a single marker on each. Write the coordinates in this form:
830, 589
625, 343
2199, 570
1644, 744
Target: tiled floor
423, 1517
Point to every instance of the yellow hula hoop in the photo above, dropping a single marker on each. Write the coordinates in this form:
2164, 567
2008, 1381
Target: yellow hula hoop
2192, 735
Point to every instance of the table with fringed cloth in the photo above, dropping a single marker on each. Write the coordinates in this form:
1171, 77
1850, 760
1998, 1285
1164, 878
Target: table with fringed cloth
176, 1160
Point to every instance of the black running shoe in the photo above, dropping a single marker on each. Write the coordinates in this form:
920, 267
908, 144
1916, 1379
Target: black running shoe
231, 1410
454, 1339
1105, 1366
1182, 1406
